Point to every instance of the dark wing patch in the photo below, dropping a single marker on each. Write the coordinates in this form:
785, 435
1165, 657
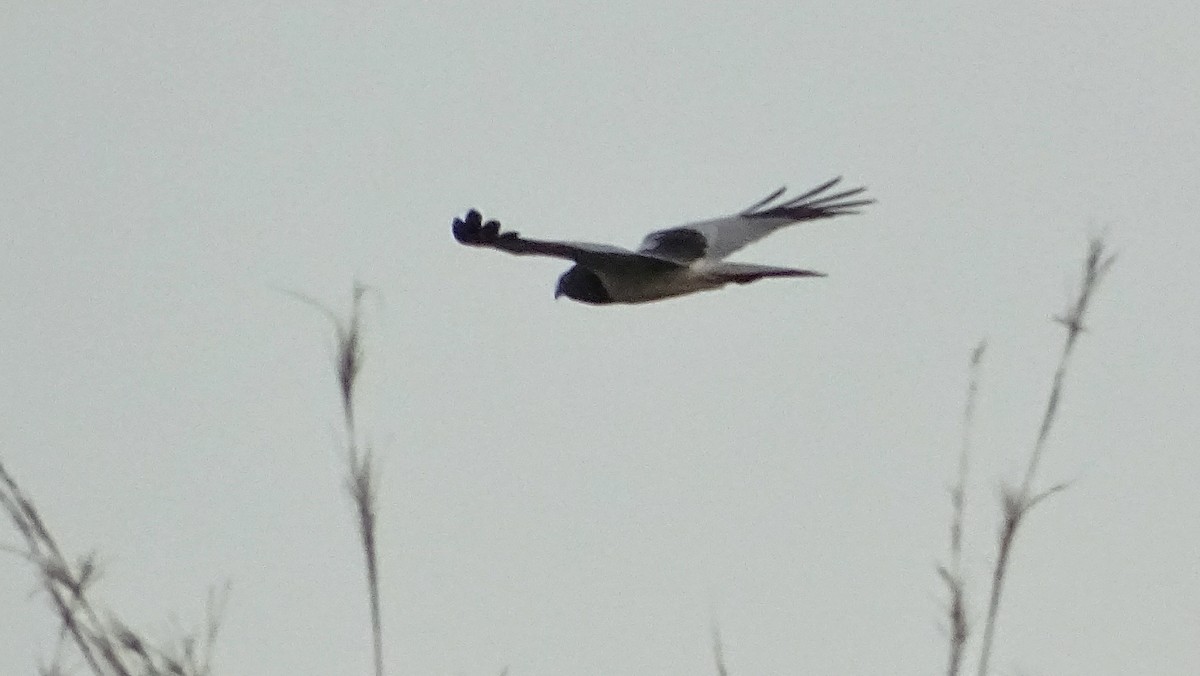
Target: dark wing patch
473, 231
678, 244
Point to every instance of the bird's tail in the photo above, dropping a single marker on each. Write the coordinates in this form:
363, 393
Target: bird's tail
744, 273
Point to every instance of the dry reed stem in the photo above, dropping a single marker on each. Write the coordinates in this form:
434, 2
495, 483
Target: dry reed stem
107, 646
360, 468
1018, 502
952, 574
719, 651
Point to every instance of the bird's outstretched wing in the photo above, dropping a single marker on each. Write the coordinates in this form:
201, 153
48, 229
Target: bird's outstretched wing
473, 231
715, 239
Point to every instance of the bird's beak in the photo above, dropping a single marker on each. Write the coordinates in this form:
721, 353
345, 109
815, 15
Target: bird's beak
558, 292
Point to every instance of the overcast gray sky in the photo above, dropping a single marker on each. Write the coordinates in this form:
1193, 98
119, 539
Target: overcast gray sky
577, 490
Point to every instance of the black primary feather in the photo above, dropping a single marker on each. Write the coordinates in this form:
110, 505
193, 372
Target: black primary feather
802, 208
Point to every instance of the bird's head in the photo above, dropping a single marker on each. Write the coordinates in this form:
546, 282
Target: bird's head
582, 285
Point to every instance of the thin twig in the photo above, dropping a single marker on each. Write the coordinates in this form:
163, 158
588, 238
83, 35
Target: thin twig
719, 651
107, 645
1096, 265
53, 569
1017, 503
953, 574
360, 468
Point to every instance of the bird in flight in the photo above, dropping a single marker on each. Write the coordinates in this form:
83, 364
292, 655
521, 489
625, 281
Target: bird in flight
672, 262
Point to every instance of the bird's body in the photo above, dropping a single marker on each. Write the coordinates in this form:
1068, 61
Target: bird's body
672, 262
624, 286
643, 286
